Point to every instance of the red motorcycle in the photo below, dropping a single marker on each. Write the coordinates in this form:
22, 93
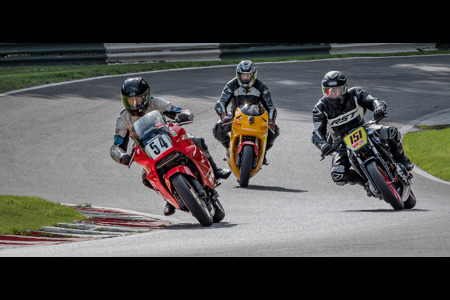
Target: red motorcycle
177, 169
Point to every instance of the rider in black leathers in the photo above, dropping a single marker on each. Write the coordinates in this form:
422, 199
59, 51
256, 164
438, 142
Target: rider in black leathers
342, 109
245, 88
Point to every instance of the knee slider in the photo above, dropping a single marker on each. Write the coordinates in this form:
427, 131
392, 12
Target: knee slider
389, 133
338, 174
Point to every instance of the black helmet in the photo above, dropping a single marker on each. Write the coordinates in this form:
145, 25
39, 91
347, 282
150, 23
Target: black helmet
246, 67
135, 96
334, 87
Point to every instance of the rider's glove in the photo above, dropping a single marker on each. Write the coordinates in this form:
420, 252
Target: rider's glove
125, 159
379, 113
325, 148
272, 125
184, 116
226, 120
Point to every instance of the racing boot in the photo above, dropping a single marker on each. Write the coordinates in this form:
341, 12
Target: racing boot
399, 153
353, 178
219, 173
145, 180
265, 162
169, 209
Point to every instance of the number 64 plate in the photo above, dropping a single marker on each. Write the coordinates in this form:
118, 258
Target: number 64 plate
158, 145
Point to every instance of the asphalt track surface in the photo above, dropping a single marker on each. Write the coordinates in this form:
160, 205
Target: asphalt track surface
55, 144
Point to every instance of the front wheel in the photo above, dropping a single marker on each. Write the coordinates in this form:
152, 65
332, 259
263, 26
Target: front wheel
246, 165
220, 212
411, 201
387, 189
196, 206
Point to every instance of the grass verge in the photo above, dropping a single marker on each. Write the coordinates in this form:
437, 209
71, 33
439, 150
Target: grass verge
428, 148
31, 213
14, 78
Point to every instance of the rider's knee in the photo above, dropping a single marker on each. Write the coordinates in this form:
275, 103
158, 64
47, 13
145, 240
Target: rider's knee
389, 133
338, 174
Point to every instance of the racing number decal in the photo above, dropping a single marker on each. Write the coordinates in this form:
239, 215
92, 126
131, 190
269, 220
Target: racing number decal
158, 145
356, 137
155, 148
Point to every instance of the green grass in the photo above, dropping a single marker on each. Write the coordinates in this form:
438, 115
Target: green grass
429, 149
31, 213
14, 78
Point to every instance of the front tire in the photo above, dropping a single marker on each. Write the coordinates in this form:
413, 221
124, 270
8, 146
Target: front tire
386, 189
219, 214
411, 201
246, 165
196, 206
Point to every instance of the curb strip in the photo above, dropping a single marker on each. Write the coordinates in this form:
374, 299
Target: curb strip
102, 223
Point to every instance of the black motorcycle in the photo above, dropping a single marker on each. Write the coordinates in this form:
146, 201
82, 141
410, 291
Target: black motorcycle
369, 155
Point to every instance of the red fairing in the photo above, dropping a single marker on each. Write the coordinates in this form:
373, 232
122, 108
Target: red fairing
180, 143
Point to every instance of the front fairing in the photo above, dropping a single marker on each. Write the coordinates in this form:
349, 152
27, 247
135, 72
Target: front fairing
152, 134
250, 125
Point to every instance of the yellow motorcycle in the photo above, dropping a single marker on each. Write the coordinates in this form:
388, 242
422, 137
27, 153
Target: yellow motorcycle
248, 141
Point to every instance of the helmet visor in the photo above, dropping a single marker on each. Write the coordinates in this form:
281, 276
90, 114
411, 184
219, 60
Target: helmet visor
334, 92
245, 78
134, 102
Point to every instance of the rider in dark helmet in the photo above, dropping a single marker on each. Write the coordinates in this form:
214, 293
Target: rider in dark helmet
137, 101
342, 109
244, 88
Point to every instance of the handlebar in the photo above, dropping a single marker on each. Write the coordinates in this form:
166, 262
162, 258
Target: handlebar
181, 123
338, 140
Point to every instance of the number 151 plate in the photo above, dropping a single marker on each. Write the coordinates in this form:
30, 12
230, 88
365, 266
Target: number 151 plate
356, 139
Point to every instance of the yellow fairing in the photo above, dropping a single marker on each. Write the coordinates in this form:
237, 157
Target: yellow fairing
243, 128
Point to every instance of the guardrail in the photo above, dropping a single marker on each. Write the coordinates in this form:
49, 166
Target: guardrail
29, 54
17, 54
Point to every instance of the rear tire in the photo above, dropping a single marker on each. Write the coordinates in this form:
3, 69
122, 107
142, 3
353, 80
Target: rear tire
246, 165
387, 190
196, 206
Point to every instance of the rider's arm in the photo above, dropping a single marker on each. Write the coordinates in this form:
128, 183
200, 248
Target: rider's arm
320, 125
267, 100
225, 97
366, 100
121, 137
169, 110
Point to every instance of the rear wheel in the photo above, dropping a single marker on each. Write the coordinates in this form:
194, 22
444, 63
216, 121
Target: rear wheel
387, 189
196, 206
246, 165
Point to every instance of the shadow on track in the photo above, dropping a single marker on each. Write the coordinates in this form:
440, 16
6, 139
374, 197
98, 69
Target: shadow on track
385, 210
272, 188
220, 225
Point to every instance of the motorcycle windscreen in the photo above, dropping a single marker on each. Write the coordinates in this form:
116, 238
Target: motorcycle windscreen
252, 110
152, 134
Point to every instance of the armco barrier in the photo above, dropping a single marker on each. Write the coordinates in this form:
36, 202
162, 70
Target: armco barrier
380, 47
28, 54
260, 50
160, 52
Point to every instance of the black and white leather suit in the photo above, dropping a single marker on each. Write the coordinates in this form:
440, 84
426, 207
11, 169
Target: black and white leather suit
332, 121
237, 95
